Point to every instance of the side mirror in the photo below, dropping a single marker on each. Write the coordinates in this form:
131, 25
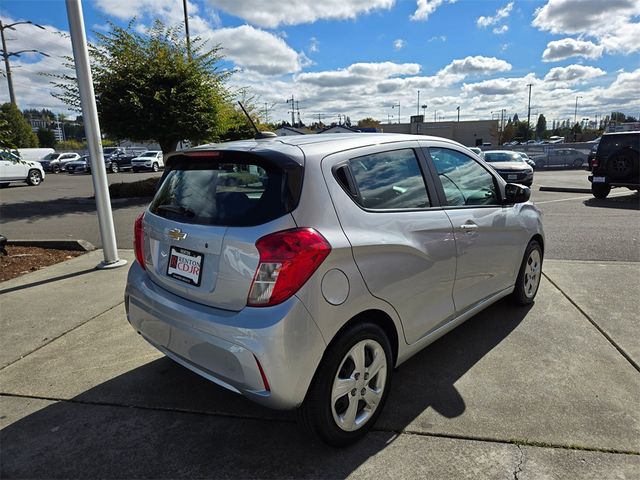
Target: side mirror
515, 193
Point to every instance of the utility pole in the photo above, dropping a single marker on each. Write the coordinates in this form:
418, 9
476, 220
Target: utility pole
529, 112
418, 105
575, 119
397, 105
186, 28
6, 54
92, 130
293, 110
501, 126
458, 109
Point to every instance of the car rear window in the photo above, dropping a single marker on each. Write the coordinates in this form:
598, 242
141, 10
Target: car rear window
611, 143
241, 192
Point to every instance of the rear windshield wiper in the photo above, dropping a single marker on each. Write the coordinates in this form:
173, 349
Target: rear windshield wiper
177, 209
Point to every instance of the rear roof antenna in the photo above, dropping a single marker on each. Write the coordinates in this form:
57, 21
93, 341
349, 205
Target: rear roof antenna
258, 134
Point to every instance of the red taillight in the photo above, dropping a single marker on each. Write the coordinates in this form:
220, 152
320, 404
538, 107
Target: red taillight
287, 260
138, 240
594, 164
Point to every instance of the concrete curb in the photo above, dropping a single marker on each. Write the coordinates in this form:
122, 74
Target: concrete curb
564, 189
76, 245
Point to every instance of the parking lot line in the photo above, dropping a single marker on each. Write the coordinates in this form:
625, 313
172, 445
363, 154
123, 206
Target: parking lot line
583, 197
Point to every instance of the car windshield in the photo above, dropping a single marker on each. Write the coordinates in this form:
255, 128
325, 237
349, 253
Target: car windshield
502, 157
51, 156
109, 151
148, 154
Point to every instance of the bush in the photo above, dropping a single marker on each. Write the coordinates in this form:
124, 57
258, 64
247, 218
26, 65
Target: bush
141, 188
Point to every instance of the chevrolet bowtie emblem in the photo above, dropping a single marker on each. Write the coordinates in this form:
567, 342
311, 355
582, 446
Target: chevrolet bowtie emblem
177, 234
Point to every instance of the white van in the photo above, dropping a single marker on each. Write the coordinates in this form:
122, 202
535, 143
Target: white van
34, 154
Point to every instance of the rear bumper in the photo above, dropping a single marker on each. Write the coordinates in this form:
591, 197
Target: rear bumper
616, 182
225, 346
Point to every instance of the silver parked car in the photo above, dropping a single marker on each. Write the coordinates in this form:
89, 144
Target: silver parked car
560, 157
299, 271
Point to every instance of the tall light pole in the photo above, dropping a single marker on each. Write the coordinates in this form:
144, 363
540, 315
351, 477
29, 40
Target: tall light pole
575, 111
418, 105
458, 109
529, 112
92, 130
186, 27
397, 105
424, 110
6, 53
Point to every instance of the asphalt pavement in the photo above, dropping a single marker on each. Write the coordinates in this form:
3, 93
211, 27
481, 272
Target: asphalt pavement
578, 226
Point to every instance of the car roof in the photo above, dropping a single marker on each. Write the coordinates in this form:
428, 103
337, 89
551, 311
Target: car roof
317, 144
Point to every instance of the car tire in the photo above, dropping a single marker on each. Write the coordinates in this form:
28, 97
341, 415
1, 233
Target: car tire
114, 167
4, 184
577, 163
34, 178
55, 168
342, 392
529, 275
600, 190
135, 170
155, 167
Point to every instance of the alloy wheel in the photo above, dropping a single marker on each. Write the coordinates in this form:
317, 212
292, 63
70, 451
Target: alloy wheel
532, 274
359, 385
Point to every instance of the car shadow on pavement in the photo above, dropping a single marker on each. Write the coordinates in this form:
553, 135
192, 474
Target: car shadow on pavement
39, 209
162, 421
624, 202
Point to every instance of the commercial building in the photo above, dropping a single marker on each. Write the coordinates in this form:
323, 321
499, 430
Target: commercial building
473, 133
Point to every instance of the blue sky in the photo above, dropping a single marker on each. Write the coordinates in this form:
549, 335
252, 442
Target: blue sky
360, 57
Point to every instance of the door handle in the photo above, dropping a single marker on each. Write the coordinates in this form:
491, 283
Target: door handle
469, 227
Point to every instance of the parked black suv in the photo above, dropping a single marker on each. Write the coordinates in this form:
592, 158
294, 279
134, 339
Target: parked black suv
119, 158
616, 163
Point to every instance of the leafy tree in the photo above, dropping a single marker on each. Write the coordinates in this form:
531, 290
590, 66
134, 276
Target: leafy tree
541, 126
148, 86
46, 138
368, 123
18, 131
515, 118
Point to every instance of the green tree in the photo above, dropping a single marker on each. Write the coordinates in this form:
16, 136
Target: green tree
541, 126
46, 138
148, 87
368, 123
18, 131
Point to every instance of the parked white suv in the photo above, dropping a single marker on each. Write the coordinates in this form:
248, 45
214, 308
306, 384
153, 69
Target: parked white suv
13, 169
149, 160
300, 271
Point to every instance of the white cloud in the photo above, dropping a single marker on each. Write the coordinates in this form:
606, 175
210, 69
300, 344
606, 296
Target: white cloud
501, 14
499, 86
478, 65
293, 12
314, 45
440, 38
573, 74
399, 44
613, 23
358, 74
569, 47
424, 8
501, 29
254, 49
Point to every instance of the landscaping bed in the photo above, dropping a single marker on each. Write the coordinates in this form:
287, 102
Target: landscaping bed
22, 259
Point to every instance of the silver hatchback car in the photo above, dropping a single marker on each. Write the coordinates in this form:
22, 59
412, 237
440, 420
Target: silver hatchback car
300, 271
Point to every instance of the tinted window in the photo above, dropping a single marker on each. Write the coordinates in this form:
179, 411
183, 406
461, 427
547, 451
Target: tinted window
465, 181
389, 180
227, 194
502, 157
611, 143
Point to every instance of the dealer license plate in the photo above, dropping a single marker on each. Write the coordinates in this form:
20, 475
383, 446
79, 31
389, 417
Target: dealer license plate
599, 179
185, 265
512, 177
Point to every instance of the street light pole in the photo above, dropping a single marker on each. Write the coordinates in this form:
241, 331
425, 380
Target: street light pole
529, 112
575, 112
6, 54
418, 105
424, 111
458, 109
92, 130
186, 27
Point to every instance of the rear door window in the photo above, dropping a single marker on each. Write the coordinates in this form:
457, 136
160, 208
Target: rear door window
224, 193
389, 181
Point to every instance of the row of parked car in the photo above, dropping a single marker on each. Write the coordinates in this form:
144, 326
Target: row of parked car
14, 168
116, 159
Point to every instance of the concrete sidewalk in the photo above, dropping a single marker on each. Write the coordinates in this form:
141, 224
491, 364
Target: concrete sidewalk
546, 392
